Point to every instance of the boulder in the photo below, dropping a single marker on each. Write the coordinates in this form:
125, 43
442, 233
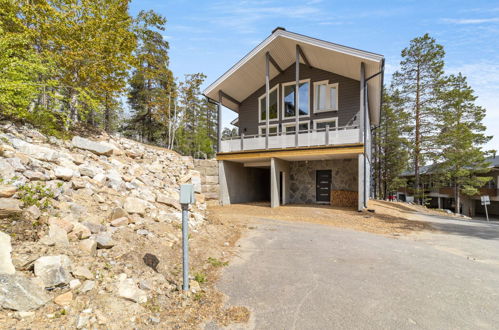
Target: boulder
35, 175
88, 246
63, 173
53, 270
164, 199
58, 235
104, 241
9, 207
6, 265
99, 148
34, 212
64, 299
81, 231
35, 151
6, 170
117, 213
83, 273
20, 293
135, 205
128, 289
120, 222
67, 225
7, 191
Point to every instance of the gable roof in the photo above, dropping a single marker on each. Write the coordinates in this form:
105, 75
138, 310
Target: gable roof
247, 75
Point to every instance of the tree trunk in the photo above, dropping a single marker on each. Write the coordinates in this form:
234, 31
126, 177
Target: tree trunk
457, 199
417, 138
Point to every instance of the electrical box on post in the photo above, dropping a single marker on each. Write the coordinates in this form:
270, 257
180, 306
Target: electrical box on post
186, 194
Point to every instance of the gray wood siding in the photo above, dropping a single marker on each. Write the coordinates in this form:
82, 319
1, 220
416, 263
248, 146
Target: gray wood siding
348, 99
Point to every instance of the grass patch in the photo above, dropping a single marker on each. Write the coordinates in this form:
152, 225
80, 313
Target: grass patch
200, 277
217, 263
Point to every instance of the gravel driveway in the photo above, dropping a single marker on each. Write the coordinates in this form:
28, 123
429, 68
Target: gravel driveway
295, 275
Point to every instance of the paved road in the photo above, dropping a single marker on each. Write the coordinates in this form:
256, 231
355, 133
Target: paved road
308, 276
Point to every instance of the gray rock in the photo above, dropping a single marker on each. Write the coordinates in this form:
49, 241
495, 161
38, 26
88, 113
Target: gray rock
87, 286
63, 173
6, 265
127, 288
88, 246
58, 235
104, 241
20, 293
35, 175
117, 213
35, 151
53, 270
9, 207
99, 148
163, 199
135, 205
34, 212
16, 164
7, 191
6, 170
82, 272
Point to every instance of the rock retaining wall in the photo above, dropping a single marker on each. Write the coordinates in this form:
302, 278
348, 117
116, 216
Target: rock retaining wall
208, 168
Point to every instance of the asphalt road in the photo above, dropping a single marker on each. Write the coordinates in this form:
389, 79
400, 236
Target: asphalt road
308, 276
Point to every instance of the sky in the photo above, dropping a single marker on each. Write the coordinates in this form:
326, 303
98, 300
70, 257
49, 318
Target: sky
211, 36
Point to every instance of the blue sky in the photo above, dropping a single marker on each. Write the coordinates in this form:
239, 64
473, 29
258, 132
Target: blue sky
210, 36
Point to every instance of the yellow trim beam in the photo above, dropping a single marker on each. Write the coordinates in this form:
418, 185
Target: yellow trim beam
293, 152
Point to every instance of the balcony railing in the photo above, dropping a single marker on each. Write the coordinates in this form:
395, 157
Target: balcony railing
283, 140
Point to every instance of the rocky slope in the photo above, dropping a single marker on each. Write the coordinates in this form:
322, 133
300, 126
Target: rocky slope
89, 228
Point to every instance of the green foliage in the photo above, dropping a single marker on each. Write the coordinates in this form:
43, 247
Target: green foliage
417, 80
217, 263
35, 194
200, 277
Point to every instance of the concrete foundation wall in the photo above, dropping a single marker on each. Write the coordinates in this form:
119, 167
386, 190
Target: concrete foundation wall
303, 175
239, 184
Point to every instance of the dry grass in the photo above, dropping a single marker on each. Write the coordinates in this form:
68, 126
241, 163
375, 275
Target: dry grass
392, 219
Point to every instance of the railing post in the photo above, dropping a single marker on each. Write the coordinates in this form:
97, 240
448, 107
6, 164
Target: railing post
327, 134
242, 141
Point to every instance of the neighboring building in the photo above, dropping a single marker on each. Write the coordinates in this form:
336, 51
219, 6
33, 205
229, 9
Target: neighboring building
318, 155
443, 197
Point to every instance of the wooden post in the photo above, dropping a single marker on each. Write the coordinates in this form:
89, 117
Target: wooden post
267, 99
297, 94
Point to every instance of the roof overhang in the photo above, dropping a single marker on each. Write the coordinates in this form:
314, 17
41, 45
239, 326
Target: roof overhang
247, 75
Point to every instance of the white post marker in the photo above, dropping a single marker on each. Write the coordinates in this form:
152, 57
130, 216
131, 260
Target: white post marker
485, 201
186, 198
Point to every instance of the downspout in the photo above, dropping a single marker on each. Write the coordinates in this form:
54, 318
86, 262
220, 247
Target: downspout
366, 113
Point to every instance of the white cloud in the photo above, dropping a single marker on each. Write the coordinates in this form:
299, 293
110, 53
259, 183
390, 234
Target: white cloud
471, 20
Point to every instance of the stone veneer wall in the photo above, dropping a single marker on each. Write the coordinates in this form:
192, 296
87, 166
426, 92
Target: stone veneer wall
302, 177
208, 168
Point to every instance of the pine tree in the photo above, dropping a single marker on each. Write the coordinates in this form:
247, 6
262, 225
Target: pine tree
459, 121
391, 145
417, 81
152, 83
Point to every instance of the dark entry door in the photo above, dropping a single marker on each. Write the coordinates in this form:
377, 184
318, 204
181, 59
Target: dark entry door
323, 185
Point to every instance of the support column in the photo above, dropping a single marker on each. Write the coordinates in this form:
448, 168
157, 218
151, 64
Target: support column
219, 123
276, 167
267, 99
297, 94
439, 202
363, 133
362, 103
361, 195
223, 197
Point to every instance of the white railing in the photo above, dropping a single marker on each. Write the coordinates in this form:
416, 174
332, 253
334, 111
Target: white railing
308, 138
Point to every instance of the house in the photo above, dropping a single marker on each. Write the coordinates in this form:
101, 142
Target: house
442, 197
318, 154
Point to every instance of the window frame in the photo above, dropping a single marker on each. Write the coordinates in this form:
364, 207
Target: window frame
261, 127
328, 96
291, 124
322, 120
290, 83
276, 87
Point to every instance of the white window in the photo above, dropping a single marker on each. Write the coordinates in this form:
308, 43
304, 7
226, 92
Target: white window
273, 105
321, 124
325, 96
273, 129
289, 128
288, 99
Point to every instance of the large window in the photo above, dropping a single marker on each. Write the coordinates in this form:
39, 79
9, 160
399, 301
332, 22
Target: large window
273, 129
290, 128
325, 96
273, 105
288, 99
321, 124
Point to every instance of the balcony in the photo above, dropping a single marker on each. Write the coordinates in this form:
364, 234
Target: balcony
283, 140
